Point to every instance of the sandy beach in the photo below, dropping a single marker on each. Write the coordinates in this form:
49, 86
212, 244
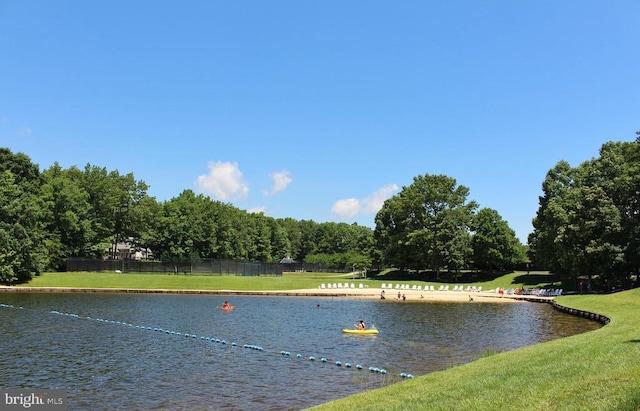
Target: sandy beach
391, 295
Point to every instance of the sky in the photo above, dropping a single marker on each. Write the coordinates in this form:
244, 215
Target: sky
321, 110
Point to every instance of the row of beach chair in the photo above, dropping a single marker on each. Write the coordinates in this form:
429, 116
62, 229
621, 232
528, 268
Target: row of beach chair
341, 285
469, 288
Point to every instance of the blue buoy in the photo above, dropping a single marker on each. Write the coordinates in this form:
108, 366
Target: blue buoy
403, 375
339, 364
359, 366
299, 355
409, 375
323, 359
383, 371
312, 358
348, 365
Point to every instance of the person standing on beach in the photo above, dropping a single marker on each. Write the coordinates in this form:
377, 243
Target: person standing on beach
382, 295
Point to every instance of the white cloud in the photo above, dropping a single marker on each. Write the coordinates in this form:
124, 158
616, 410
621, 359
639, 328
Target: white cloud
351, 207
280, 181
224, 182
375, 201
346, 208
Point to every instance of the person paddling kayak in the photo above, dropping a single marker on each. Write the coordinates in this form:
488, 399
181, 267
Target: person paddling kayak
361, 325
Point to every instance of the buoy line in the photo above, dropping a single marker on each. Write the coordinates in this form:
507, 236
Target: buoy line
312, 358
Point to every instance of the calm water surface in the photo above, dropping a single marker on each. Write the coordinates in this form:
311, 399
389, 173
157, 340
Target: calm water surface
68, 341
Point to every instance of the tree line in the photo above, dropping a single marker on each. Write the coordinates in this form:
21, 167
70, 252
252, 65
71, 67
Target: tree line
587, 223
48, 216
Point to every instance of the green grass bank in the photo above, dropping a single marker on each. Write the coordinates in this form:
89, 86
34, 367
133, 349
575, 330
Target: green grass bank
289, 281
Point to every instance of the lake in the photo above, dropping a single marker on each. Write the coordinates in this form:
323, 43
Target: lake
180, 352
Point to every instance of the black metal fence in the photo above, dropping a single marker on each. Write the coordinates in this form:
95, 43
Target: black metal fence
196, 267
200, 267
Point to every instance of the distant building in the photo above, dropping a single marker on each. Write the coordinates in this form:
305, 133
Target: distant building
127, 250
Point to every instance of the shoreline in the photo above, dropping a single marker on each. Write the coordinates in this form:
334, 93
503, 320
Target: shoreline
391, 296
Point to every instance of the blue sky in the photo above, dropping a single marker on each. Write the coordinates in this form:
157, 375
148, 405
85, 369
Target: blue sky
320, 110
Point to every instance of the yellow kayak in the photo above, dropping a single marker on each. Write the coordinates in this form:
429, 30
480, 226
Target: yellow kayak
370, 331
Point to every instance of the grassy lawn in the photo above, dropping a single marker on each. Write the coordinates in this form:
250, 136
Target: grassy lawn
289, 281
599, 370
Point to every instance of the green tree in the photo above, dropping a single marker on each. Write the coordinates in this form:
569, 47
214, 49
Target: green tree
293, 234
147, 216
426, 225
579, 228
69, 215
495, 245
617, 171
23, 241
186, 229
280, 243
551, 216
112, 198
